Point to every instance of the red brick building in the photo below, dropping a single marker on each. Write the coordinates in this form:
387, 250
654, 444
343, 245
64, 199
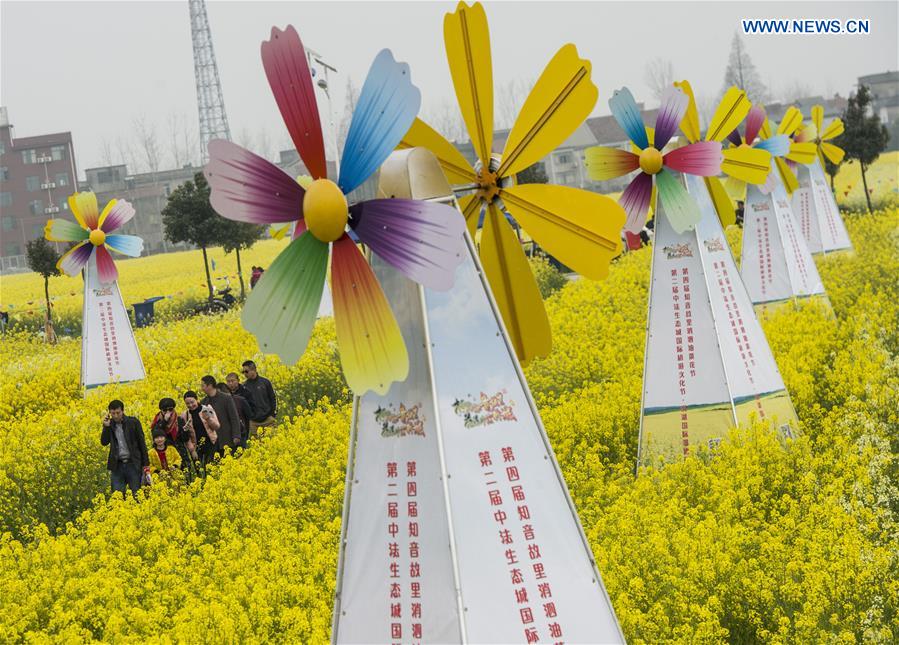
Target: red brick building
37, 175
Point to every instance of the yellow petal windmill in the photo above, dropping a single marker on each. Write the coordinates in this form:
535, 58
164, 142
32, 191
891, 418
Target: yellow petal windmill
579, 228
813, 201
776, 264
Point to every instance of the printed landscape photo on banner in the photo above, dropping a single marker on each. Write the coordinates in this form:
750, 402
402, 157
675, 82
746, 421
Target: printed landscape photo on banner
510, 322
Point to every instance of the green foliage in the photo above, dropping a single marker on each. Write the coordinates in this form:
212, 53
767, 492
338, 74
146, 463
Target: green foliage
865, 137
42, 258
549, 278
763, 541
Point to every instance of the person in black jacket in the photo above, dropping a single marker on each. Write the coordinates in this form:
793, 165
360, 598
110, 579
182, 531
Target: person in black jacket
244, 411
262, 398
128, 456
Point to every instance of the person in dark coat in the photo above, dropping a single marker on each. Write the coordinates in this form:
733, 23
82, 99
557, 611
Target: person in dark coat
128, 458
244, 411
229, 424
262, 398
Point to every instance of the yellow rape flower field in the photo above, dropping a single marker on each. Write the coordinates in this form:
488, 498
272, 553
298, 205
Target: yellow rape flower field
794, 542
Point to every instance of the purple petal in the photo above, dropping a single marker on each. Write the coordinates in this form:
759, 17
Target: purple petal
754, 121
734, 137
247, 188
671, 112
117, 216
422, 240
635, 201
702, 158
76, 258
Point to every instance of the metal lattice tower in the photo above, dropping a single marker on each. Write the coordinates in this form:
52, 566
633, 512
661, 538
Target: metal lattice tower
210, 104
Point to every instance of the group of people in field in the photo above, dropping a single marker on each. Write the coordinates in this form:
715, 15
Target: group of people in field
226, 418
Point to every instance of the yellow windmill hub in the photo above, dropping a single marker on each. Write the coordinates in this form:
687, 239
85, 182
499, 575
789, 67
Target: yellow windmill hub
488, 185
650, 161
325, 210
97, 237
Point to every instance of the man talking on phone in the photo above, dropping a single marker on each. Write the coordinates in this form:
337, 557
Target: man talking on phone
127, 449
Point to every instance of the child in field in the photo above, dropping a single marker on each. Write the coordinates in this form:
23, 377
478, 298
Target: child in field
163, 457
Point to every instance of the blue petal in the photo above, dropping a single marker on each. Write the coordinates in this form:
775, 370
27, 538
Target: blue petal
385, 111
624, 109
126, 244
778, 145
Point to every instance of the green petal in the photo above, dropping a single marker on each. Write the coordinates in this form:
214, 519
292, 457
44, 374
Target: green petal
681, 209
63, 230
283, 306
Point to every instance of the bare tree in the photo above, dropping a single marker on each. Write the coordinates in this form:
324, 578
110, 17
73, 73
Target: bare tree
264, 143
350, 98
742, 72
447, 120
181, 139
107, 155
795, 89
146, 138
658, 74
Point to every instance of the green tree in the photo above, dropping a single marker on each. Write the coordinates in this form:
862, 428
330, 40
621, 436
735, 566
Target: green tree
865, 137
831, 169
235, 236
188, 217
535, 174
42, 258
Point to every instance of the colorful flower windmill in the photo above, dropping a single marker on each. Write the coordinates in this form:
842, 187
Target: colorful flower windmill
578, 227
93, 232
816, 133
757, 134
751, 165
422, 240
702, 158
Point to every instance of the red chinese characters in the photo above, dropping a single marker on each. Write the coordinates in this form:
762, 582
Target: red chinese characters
685, 357
530, 587
404, 569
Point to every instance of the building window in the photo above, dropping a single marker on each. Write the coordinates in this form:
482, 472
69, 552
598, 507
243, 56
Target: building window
36, 207
564, 158
12, 248
4, 173
29, 156
64, 204
62, 179
8, 223
58, 152
5, 199
2, 148
32, 183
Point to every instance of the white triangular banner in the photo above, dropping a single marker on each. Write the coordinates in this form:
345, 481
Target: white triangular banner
499, 553
109, 351
817, 212
776, 264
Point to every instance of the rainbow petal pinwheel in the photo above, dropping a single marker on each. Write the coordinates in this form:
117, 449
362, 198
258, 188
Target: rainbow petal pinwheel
702, 158
751, 165
816, 133
578, 227
422, 240
757, 134
93, 233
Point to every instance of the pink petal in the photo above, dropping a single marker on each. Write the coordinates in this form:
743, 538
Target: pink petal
702, 158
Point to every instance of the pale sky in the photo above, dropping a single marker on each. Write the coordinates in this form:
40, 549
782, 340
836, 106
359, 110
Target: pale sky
94, 67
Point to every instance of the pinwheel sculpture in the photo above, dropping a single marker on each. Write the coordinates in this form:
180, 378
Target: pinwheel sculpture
579, 228
776, 263
109, 351
702, 158
422, 240
743, 163
814, 202
93, 235
728, 371
816, 133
